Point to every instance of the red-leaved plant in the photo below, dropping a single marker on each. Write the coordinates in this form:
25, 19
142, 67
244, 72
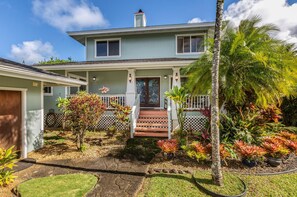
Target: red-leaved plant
276, 146
168, 146
249, 152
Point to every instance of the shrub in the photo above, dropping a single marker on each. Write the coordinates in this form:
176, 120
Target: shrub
249, 152
168, 146
197, 151
81, 112
275, 147
289, 109
121, 112
7, 162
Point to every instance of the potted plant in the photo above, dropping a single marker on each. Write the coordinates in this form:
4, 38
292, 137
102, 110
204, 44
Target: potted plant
250, 154
168, 147
276, 150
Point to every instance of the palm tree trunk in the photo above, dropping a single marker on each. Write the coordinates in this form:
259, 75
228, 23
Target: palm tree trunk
215, 133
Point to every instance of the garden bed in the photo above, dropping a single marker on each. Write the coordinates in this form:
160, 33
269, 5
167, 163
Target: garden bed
182, 162
61, 145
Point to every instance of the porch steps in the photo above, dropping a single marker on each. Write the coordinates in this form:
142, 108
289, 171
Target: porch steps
152, 123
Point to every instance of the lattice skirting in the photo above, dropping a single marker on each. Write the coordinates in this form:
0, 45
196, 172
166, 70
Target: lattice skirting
195, 123
55, 120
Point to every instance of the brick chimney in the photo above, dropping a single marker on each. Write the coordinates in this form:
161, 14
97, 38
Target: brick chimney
139, 19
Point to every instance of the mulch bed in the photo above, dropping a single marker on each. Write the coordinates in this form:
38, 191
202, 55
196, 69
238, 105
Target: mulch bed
182, 162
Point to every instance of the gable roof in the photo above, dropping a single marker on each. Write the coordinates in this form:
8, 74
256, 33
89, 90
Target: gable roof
81, 35
14, 69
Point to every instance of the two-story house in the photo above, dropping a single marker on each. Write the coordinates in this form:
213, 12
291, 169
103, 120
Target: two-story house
138, 65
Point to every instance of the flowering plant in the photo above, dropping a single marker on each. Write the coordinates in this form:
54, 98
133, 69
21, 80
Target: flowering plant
104, 90
168, 146
249, 152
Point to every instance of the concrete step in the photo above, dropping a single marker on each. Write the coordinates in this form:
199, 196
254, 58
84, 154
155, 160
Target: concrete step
145, 129
151, 134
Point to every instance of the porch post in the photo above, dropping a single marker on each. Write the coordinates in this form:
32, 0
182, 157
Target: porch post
131, 87
175, 82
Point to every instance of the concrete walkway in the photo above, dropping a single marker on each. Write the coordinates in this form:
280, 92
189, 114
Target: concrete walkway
116, 177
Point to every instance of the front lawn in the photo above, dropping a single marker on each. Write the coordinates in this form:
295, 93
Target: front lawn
182, 185
71, 185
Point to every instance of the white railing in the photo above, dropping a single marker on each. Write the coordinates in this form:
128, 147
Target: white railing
134, 115
169, 115
199, 102
119, 98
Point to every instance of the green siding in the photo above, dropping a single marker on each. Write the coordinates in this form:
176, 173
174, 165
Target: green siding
34, 134
142, 47
50, 102
116, 81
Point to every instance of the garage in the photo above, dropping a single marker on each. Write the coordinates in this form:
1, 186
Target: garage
11, 119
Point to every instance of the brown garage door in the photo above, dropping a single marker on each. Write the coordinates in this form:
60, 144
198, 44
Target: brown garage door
10, 119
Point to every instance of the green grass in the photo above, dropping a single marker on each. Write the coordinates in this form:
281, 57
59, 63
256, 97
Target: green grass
70, 185
232, 184
182, 185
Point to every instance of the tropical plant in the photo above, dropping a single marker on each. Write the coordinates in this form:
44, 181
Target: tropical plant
249, 152
179, 96
7, 162
121, 112
289, 109
197, 151
81, 112
254, 66
168, 146
275, 147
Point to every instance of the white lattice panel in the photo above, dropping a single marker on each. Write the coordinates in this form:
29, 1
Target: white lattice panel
195, 123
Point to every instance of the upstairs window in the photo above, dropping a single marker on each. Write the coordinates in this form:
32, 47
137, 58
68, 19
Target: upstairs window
48, 91
190, 44
108, 48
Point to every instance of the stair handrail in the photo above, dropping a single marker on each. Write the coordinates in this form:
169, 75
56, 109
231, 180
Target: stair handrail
134, 115
169, 115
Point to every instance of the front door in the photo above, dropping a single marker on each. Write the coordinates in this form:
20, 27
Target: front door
149, 90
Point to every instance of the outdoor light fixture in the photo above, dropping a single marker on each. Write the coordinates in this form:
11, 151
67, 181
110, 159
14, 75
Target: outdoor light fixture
176, 76
130, 78
165, 76
94, 78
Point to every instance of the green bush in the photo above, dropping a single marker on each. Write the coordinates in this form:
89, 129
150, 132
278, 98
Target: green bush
7, 162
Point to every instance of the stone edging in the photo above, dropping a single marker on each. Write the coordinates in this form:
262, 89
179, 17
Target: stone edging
175, 171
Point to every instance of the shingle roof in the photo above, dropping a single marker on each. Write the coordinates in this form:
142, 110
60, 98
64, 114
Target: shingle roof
120, 61
26, 67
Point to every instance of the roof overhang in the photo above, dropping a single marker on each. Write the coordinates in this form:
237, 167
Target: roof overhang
81, 36
118, 66
9, 71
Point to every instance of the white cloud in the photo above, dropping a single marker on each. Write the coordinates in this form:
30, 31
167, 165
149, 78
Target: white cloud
32, 51
277, 12
69, 14
196, 20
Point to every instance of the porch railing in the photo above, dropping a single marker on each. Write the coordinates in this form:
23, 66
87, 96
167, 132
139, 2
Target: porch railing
119, 98
197, 102
169, 115
134, 115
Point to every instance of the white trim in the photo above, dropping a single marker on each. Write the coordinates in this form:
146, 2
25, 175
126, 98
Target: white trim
9, 71
107, 40
42, 112
190, 35
120, 66
77, 76
49, 94
66, 88
23, 91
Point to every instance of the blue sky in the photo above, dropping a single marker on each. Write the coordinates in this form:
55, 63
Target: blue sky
42, 23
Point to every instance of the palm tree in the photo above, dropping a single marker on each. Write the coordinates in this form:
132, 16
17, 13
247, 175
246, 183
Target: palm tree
254, 66
217, 176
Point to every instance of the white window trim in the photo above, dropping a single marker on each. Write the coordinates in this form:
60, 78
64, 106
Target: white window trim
49, 94
111, 39
190, 53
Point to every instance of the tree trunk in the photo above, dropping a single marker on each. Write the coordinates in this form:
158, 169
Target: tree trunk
215, 133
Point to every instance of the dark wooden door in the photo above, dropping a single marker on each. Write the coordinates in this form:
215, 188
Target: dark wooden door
10, 119
149, 90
